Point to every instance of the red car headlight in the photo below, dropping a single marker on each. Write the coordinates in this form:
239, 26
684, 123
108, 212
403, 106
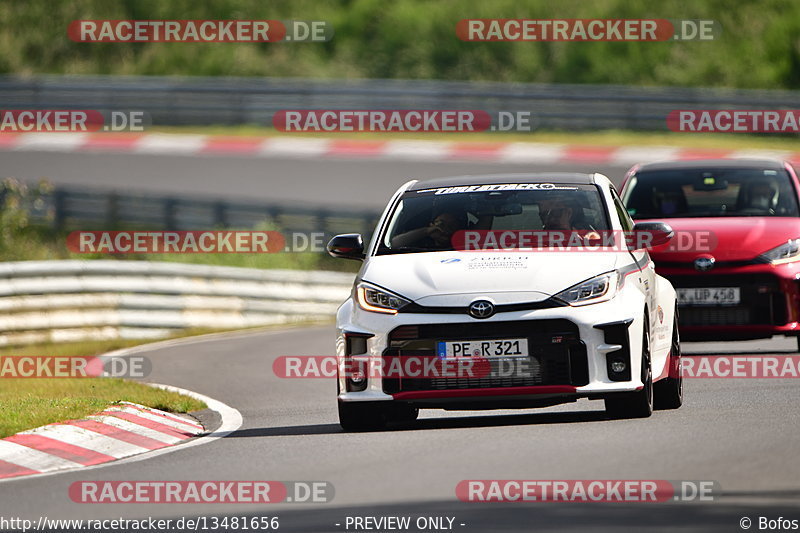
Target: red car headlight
785, 253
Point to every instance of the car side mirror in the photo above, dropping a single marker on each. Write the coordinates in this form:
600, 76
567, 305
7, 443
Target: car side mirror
347, 246
650, 234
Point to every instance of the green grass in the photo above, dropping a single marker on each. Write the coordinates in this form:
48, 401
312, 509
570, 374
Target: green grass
67, 349
26, 403
416, 39
29, 403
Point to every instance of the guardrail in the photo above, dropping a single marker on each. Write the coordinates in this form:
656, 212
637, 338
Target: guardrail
61, 301
205, 101
82, 208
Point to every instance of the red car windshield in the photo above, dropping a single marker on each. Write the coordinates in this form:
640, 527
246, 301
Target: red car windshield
708, 192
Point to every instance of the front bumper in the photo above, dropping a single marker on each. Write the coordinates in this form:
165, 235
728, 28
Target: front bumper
569, 355
770, 301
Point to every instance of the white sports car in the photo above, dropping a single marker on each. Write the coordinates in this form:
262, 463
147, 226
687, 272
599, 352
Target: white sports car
458, 306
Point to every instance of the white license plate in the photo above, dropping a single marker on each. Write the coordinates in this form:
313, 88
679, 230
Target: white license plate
483, 348
710, 296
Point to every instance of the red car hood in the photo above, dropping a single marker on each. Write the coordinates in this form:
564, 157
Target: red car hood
729, 238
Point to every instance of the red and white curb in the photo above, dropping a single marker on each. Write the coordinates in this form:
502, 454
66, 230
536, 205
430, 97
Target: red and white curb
230, 421
120, 431
416, 150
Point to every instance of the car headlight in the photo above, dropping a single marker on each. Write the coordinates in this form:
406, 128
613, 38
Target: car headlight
372, 298
786, 252
595, 290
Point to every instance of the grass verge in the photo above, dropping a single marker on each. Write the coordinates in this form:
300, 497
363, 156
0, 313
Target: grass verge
30, 403
26, 403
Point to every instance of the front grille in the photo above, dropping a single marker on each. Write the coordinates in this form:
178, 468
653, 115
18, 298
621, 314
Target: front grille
563, 362
505, 372
762, 302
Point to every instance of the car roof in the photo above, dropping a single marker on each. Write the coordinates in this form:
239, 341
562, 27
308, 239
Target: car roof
486, 179
759, 164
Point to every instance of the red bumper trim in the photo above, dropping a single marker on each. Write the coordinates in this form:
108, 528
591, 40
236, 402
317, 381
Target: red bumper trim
791, 327
672, 369
482, 393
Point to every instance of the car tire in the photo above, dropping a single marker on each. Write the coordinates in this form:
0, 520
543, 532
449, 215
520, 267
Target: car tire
361, 416
637, 404
669, 391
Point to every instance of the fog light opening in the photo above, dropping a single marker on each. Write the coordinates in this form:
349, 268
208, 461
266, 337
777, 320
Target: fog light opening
356, 373
618, 366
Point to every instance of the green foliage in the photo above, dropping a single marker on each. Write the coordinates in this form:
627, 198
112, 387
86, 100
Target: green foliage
759, 46
18, 238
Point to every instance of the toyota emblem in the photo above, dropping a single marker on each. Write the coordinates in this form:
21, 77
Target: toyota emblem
704, 263
481, 309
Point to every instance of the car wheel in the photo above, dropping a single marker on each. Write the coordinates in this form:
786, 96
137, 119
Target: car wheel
361, 416
669, 391
637, 404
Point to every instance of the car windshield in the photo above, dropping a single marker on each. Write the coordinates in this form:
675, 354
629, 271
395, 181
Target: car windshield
426, 220
709, 192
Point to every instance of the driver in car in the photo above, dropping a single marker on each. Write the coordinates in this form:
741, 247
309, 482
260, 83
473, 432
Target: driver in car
561, 213
435, 236
761, 195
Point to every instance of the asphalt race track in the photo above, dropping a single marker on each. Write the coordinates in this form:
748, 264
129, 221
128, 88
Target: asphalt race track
332, 181
741, 433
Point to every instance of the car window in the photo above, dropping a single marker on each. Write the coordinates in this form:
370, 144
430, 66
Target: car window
711, 192
426, 220
624, 218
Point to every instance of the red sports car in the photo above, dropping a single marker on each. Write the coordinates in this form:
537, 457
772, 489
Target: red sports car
735, 258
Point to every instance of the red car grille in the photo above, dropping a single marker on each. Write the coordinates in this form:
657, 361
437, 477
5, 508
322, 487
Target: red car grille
762, 302
715, 316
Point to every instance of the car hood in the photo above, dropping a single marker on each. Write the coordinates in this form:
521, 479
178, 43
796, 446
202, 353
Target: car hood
458, 278
732, 238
